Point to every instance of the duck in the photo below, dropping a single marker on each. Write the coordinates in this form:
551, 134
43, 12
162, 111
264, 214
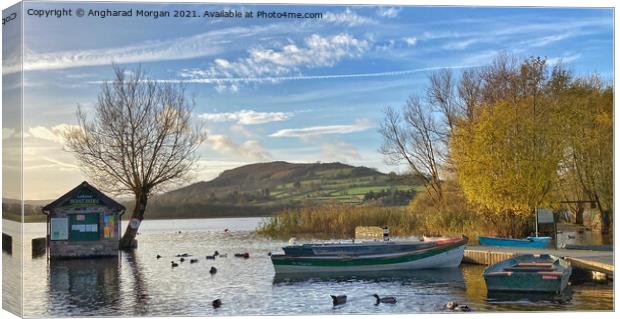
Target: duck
213, 270
339, 300
193, 261
452, 305
245, 255
210, 257
182, 259
388, 299
216, 253
269, 254
158, 256
464, 308
173, 264
183, 255
216, 303
223, 255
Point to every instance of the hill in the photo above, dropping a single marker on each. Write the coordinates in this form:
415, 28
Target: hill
263, 188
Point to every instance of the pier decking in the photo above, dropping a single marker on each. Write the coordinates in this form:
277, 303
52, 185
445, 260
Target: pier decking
599, 261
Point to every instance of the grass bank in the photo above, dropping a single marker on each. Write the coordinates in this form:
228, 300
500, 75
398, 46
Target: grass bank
337, 220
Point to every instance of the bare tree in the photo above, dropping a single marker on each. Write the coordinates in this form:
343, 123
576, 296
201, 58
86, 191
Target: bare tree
140, 139
414, 139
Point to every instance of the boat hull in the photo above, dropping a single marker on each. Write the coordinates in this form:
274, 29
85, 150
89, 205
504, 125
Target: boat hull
443, 257
531, 242
528, 273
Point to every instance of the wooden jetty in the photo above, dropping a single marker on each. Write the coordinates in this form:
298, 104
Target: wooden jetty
587, 260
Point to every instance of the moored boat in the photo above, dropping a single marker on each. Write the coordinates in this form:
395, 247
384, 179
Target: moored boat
370, 256
528, 273
529, 242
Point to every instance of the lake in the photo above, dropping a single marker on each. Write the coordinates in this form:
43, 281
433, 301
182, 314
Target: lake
139, 284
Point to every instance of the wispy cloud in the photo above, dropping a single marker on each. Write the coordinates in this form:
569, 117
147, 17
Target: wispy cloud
566, 58
388, 12
246, 117
53, 134
411, 41
199, 45
250, 149
339, 151
347, 17
268, 64
358, 126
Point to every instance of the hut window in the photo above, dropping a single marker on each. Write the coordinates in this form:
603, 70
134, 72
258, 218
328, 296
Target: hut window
59, 228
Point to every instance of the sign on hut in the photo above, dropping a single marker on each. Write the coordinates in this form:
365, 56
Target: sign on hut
83, 223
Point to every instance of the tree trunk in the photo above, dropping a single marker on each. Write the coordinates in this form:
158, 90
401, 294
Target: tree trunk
579, 214
126, 242
605, 222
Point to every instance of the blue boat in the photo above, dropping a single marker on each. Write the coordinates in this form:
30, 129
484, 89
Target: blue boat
529, 242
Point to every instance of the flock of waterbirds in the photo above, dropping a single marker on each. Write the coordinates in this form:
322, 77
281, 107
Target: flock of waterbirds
336, 300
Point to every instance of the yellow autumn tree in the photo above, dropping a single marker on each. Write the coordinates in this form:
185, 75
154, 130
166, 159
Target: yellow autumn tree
507, 159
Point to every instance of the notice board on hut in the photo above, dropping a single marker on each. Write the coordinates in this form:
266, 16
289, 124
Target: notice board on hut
83, 223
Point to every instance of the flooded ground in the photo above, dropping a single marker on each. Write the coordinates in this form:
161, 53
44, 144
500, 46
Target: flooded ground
139, 284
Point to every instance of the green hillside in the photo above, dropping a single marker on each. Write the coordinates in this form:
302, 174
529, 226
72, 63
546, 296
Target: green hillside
263, 188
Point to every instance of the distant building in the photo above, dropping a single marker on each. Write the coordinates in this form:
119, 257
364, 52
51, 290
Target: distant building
83, 223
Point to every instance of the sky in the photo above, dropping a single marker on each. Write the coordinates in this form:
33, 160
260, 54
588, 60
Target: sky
297, 90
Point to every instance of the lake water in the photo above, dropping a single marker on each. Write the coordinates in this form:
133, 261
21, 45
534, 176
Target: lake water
139, 284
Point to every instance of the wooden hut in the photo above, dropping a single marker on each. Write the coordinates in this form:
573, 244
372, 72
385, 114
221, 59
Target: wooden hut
83, 223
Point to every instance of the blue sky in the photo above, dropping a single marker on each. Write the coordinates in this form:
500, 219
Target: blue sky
281, 89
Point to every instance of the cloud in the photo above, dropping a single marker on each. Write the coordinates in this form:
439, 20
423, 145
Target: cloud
543, 41
268, 64
246, 117
347, 17
567, 58
411, 41
53, 134
199, 45
339, 151
360, 125
250, 149
388, 12
460, 45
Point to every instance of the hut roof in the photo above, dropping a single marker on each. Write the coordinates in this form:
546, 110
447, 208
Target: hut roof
84, 189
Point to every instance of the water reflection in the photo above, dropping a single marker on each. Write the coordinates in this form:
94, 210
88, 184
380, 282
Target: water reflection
452, 276
84, 286
139, 284
540, 298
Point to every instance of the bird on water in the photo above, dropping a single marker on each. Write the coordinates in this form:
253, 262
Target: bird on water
388, 299
339, 300
213, 270
216, 303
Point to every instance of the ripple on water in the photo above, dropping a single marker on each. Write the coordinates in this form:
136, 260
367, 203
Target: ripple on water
138, 284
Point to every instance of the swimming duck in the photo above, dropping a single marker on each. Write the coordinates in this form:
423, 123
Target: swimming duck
182, 259
173, 264
452, 305
213, 270
245, 255
339, 300
384, 299
216, 253
158, 256
464, 308
193, 261
210, 257
216, 303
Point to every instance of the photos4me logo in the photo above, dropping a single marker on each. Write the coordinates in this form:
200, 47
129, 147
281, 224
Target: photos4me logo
9, 18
